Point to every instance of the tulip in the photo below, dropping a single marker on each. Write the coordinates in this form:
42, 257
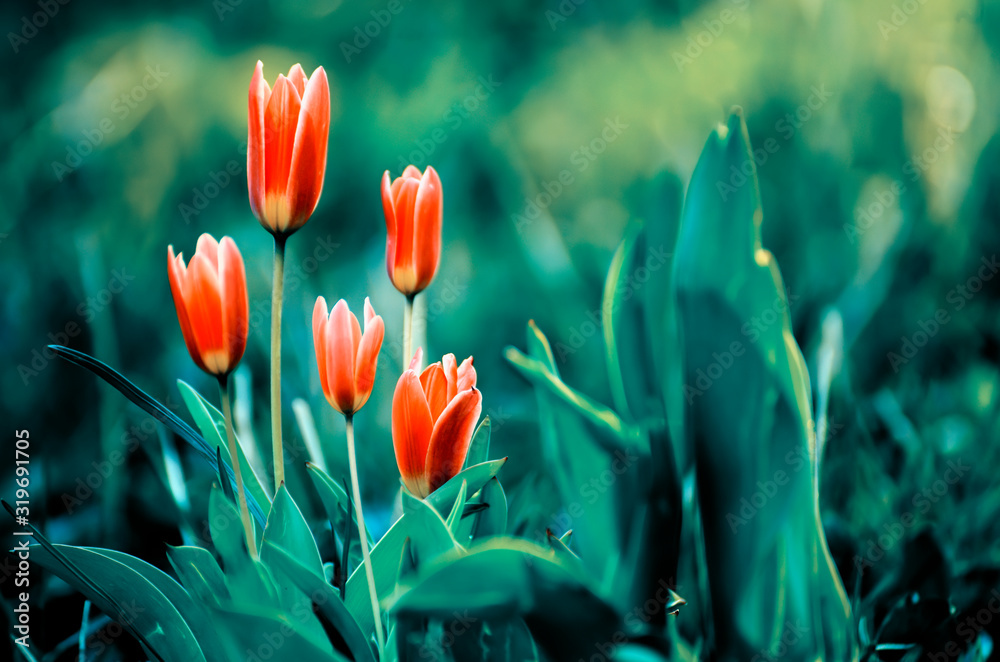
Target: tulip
210, 295
413, 212
346, 357
286, 147
286, 162
434, 416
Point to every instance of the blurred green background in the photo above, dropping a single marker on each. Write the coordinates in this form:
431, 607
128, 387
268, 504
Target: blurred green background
553, 125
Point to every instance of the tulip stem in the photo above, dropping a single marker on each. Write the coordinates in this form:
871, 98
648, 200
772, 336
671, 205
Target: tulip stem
277, 294
227, 412
408, 330
356, 489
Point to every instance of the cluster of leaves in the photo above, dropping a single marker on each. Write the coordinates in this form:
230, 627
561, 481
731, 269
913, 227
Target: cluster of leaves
700, 422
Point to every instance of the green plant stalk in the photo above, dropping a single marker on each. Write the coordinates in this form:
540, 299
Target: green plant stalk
356, 489
234, 455
277, 294
408, 330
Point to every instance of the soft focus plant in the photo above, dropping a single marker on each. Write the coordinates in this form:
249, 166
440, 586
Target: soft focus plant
452, 551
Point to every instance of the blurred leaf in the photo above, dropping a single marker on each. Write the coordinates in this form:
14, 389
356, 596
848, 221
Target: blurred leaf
749, 423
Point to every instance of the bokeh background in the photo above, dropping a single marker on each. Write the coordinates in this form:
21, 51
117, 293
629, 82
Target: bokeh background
553, 126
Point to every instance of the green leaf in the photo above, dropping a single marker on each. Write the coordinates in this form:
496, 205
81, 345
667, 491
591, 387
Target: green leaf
429, 536
193, 613
455, 516
479, 450
336, 501
611, 311
287, 529
326, 598
136, 604
253, 629
213, 426
246, 580
199, 573
503, 579
493, 520
616, 434
749, 411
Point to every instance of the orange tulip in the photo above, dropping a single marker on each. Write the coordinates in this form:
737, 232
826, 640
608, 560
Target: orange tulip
433, 419
210, 295
346, 357
413, 211
286, 147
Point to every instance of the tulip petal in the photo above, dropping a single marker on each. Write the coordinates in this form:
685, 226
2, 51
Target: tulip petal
235, 304
281, 119
319, 322
341, 352
411, 172
390, 222
402, 271
418, 357
367, 359
466, 375
428, 213
451, 437
208, 247
205, 311
260, 93
176, 272
308, 157
435, 386
297, 77
450, 367
411, 432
